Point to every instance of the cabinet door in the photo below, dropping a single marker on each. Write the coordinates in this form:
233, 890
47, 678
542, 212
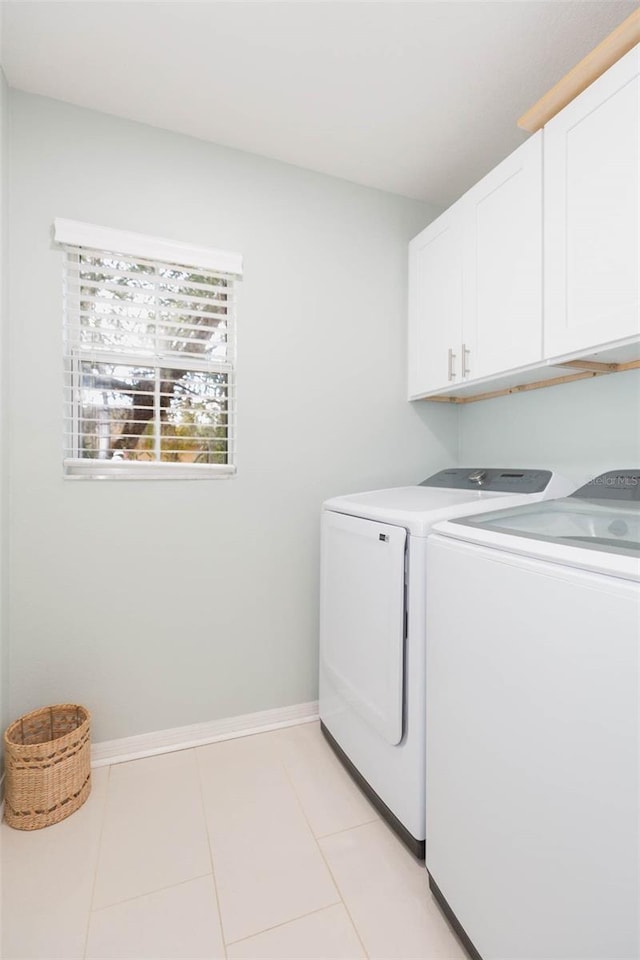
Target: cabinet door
503, 265
592, 214
435, 304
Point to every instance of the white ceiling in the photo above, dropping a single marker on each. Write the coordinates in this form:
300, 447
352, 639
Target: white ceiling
417, 98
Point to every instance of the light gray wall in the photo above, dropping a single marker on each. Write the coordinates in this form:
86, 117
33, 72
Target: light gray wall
581, 428
167, 603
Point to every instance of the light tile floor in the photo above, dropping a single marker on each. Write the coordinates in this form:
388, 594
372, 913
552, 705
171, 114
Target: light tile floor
260, 848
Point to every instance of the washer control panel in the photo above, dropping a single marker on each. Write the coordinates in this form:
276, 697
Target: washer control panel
486, 478
614, 485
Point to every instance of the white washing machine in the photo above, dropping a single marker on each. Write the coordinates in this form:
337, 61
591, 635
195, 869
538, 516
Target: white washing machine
373, 603
533, 725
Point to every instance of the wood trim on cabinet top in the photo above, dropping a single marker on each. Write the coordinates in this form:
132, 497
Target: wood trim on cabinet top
608, 52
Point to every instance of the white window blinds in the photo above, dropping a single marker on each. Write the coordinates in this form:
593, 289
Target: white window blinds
149, 367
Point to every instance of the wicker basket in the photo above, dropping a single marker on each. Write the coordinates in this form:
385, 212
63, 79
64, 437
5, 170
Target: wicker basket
47, 765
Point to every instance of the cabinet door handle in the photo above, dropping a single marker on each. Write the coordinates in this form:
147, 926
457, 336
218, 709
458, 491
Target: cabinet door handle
452, 357
466, 352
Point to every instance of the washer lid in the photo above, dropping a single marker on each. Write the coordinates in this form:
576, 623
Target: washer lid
599, 533
613, 527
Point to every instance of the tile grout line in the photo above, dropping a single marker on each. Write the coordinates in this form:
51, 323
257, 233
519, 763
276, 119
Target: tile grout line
285, 923
150, 893
210, 845
355, 826
324, 859
97, 865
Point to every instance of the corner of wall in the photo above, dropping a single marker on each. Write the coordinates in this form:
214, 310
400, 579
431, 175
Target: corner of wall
4, 177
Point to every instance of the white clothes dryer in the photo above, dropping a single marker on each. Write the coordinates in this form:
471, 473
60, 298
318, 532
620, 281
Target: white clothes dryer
373, 602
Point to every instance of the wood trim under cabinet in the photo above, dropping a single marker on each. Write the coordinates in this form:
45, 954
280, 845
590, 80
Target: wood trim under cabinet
593, 365
588, 370
608, 52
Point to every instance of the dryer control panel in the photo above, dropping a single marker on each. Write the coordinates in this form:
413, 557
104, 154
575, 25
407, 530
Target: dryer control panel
490, 478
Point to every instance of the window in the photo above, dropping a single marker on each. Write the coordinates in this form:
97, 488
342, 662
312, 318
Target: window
149, 356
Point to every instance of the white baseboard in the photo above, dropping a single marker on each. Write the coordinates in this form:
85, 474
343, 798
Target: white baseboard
199, 734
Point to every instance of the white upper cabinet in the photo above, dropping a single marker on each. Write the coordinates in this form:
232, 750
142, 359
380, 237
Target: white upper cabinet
475, 280
435, 304
503, 265
592, 214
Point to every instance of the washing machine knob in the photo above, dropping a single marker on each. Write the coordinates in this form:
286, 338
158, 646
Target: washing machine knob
478, 476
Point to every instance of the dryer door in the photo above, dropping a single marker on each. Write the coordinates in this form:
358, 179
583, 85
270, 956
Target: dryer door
362, 617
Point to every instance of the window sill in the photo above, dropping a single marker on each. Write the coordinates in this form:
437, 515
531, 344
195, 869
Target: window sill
85, 469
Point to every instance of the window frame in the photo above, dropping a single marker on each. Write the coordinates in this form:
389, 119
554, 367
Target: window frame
78, 237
